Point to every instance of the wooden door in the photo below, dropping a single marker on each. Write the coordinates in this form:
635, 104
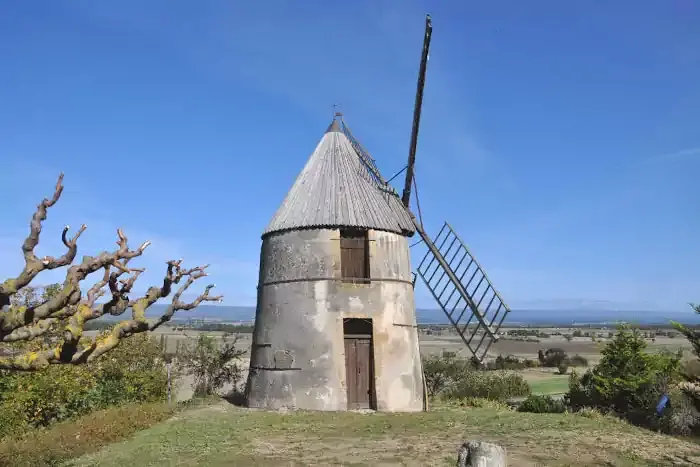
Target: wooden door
359, 372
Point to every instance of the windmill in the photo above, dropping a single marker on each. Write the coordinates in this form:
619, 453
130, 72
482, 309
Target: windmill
454, 277
335, 320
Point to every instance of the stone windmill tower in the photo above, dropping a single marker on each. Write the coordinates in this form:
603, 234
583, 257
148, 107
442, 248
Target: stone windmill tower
335, 324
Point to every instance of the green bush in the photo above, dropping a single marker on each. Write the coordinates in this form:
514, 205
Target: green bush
493, 385
442, 372
37, 399
628, 381
455, 378
542, 404
132, 372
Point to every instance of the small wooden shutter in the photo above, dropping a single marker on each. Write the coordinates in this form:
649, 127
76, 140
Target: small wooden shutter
354, 255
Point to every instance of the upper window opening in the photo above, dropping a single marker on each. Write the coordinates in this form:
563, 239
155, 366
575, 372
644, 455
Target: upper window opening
354, 255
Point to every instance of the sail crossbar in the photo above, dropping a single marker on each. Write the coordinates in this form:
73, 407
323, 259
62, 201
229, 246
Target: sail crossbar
463, 290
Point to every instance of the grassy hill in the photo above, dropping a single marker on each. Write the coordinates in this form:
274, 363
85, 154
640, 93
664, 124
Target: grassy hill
222, 434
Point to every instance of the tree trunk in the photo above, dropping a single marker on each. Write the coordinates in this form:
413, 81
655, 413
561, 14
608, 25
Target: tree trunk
481, 454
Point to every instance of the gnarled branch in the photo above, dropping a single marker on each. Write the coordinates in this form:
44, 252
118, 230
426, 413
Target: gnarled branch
69, 310
139, 323
34, 265
17, 317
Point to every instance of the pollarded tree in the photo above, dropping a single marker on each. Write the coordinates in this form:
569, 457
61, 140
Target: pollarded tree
65, 311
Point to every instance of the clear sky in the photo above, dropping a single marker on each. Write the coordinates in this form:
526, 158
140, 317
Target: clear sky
560, 139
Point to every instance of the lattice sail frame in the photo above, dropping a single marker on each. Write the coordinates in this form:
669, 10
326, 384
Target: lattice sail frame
462, 301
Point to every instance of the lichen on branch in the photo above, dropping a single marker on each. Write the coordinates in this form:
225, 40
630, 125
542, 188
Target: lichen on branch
70, 311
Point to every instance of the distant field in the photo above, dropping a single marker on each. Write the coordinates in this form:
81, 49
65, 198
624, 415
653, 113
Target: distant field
546, 383
450, 341
541, 382
584, 346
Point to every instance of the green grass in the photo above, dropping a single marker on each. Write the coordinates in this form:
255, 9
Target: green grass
225, 435
72, 438
556, 384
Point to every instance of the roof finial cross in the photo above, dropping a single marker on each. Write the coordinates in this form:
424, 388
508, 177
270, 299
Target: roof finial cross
335, 111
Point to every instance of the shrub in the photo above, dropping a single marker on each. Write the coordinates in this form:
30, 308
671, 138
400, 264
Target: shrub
212, 365
531, 363
442, 372
494, 385
590, 412
680, 416
691, 369
511, 362
578, 360
552, 357
542, 404
579, 395
476, 364
454, 378
32, 400
132, 372
628, 381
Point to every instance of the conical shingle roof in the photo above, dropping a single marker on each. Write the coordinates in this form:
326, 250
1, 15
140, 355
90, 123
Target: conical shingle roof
339, 187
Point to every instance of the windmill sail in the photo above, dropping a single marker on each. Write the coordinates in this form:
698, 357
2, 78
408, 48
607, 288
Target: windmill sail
462, 289
449, 270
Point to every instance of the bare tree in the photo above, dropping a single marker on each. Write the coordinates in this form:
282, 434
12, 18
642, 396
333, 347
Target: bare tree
68, 309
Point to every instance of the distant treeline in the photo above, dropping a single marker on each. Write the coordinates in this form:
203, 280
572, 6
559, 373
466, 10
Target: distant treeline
531, 329
217, 327
429, 329
98, 325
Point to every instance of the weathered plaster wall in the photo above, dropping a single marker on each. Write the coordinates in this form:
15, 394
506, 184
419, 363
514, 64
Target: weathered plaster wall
297, 355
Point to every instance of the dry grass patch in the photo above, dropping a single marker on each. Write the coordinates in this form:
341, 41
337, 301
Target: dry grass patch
74, 438
245, 437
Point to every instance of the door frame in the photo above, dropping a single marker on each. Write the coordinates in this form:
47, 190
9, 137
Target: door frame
372, 399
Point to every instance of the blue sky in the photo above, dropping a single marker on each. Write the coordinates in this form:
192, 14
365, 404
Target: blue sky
560, 139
